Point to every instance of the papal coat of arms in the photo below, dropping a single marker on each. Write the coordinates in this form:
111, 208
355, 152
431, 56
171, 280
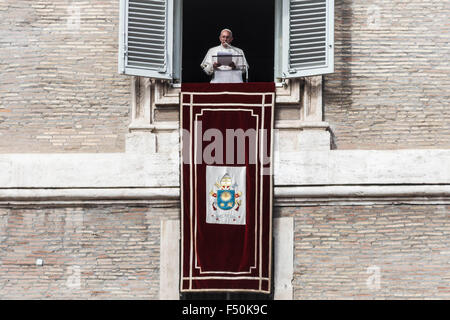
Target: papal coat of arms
226, 198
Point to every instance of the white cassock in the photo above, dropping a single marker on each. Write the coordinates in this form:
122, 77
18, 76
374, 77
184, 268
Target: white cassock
223, 74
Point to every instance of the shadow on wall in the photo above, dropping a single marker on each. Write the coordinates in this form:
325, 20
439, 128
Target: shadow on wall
337, 87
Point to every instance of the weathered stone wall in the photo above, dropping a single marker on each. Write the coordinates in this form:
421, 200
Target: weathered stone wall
88, 252
339, 251
59, 86
391, 86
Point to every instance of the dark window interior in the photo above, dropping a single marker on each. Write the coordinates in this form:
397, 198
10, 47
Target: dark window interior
252, 23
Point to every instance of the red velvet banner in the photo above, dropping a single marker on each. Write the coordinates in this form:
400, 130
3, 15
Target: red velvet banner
226, 186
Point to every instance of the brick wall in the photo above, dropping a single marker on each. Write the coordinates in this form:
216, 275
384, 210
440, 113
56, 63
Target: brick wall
114, 249
339, 251
59, 86
391, 86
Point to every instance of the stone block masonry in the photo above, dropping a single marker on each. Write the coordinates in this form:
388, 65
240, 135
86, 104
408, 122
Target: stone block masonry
59, 86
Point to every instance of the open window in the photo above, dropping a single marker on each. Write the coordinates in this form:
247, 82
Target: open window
296, 40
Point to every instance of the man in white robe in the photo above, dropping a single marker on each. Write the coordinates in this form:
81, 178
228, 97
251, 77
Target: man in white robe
221, 73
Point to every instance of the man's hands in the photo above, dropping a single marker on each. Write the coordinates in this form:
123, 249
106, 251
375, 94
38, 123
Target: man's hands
216, 65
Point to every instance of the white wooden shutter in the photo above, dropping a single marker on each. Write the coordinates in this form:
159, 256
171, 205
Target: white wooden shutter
308, 38
146, 38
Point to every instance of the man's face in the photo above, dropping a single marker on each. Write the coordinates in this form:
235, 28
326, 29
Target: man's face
225, 38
